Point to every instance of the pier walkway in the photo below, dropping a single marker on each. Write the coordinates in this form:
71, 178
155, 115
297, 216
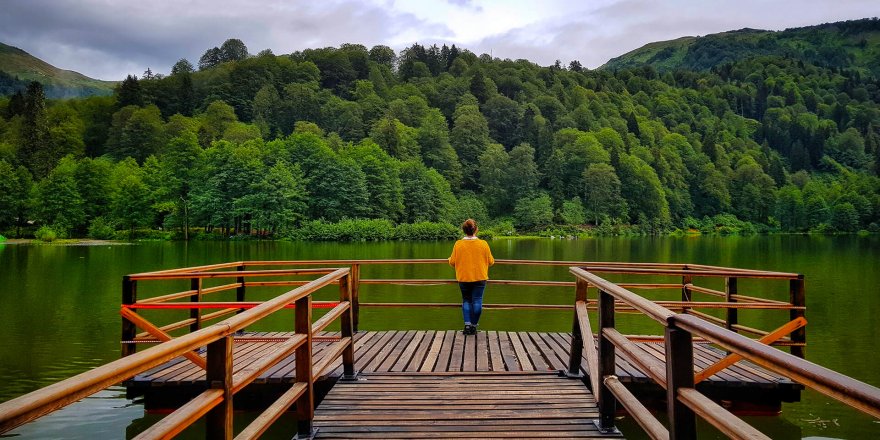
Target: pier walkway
456, 406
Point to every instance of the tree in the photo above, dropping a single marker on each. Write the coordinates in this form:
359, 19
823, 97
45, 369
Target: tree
58, 200
642, 190
130, 202
844, 217
602, 193
92, 178
503, 117
301, 103
478, 87
233, 50
66, 130
336, 185
533, 212
217, 118
494, 166
848, 148
276, 202
522, 177
437, 152
575, 151
469, 206
572, 212
265, 110
129, 92
816, 210
383, 55
182, 66
343, 117
382, 173
15, 189
136, 133
212, 57
34, 131
752, 191
426, 195
536, 131
789, 208
469, 137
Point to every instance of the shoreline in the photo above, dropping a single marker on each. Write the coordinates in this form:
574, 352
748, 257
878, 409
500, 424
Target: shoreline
97, 242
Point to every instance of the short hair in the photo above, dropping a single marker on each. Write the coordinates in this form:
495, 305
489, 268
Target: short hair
469, 226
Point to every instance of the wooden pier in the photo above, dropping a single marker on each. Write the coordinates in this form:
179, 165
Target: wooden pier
746, 387
442, 384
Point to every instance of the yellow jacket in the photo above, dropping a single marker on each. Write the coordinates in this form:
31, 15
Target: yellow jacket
471, 259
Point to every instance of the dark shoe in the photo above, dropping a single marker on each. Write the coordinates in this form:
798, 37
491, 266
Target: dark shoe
469, 330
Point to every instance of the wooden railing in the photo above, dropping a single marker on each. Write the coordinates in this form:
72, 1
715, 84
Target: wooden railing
686, 276
215, 403
243, 276
677, 376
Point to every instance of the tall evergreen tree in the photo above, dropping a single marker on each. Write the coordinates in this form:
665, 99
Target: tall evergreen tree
35, 131
129, 92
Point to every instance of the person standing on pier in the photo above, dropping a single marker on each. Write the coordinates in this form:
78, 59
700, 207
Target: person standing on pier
471, 258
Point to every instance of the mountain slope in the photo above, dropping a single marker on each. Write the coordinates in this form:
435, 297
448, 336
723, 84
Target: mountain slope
58, 83
851, 44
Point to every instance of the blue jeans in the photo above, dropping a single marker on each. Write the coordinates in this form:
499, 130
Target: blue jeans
472, 300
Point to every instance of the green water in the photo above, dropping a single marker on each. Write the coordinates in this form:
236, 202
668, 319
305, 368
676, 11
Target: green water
59, 311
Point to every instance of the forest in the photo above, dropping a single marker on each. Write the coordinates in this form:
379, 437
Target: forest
352, 142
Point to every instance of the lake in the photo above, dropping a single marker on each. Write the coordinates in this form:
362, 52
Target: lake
59, 310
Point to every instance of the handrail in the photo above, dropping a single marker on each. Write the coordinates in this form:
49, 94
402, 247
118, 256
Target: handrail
641, 304
838, 386
22, 409
248, 270
595, 266
677, 376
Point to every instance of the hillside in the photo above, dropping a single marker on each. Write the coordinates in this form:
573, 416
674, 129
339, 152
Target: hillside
357, 143
849, 44
18, 67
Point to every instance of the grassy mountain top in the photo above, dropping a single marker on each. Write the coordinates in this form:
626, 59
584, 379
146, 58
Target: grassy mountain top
852, 44
18, 67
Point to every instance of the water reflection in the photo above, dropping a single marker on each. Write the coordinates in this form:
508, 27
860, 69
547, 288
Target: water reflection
59, 308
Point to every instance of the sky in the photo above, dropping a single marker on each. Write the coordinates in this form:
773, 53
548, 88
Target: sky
108, 39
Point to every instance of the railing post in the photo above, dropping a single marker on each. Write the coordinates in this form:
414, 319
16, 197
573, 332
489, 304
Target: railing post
685, 292
218, 421
730, 289
348, 372
355, 295
195, 313
129, 330
679, 374
607, 358
305, 405
239, 291
577, 339
797, 298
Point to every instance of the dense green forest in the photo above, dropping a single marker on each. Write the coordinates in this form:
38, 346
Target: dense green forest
334, 142
849, 45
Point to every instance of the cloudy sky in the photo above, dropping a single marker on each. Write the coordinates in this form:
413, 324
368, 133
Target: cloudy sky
108, 39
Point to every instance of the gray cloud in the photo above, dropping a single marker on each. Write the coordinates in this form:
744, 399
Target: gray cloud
595, 36
107, 39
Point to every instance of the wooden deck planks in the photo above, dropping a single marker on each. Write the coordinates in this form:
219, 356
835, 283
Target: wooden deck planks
449, 352
465, 405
